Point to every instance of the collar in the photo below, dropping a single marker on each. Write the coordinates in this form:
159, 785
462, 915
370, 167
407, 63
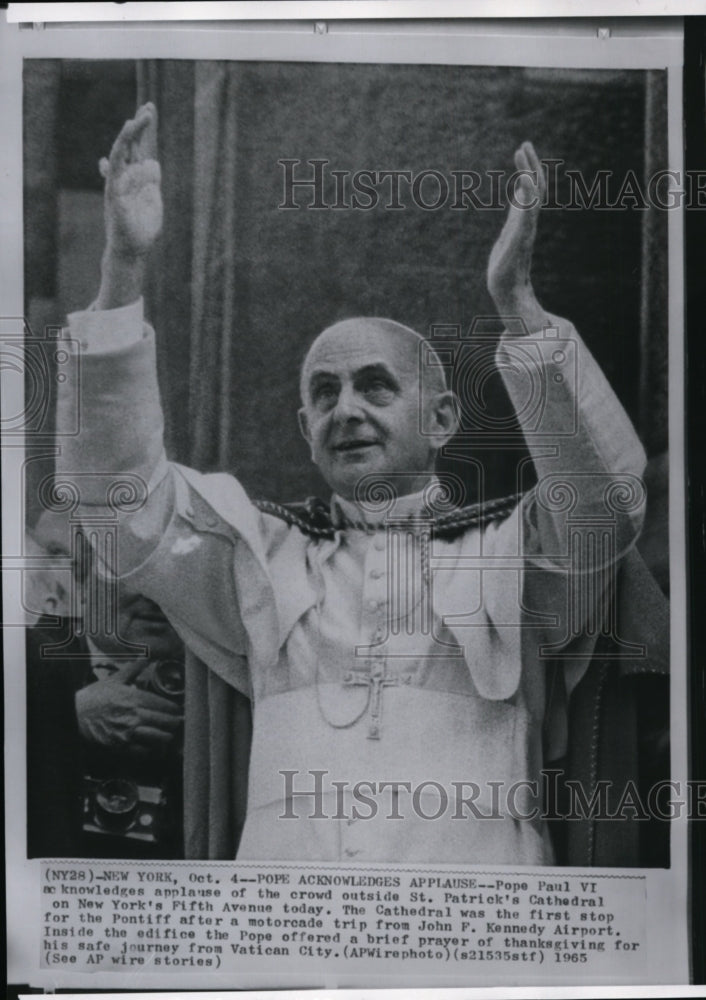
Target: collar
376, 515
313, 517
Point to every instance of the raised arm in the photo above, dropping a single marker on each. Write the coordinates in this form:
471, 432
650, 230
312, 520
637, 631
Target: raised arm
115, 371
185, 540
586, 453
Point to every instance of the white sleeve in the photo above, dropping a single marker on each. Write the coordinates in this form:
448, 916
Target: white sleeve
586, 510
586, 454
99, 331
208, 573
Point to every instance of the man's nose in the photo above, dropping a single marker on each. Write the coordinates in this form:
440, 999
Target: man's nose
348, 405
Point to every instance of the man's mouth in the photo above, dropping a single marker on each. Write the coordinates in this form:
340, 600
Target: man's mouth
354, 445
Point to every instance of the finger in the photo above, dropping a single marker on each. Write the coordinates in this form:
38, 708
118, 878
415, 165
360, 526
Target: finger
148, 138
144, 118
522, 162
527, 159
126, 146
159, 720
151, 702
524, 184
148, 108
148, 736
531, 154
528, 187
535, 165
120, 152
127, 672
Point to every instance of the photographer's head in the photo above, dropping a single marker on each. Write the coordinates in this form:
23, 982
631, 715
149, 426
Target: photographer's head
366, 402
113, 614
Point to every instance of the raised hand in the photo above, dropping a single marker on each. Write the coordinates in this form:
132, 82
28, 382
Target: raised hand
133, 201
133, 209
509, 278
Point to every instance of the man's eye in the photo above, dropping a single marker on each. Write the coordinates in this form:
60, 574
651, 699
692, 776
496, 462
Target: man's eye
377, 387
325, 395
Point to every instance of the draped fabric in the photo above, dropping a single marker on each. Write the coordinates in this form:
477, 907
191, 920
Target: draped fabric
619, 732
217, 738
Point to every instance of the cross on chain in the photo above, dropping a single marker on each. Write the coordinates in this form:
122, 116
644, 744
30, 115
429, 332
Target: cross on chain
417, 528
375, 681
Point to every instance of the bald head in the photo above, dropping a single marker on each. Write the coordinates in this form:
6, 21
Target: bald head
376, 335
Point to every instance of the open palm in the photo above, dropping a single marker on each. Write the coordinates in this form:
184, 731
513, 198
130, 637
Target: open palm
133, 201
509, 266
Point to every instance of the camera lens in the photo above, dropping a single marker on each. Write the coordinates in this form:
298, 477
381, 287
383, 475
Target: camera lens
168, 678
116, 803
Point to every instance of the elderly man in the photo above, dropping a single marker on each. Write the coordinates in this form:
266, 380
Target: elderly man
390, 651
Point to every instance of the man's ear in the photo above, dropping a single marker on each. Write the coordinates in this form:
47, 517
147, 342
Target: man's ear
445, 409
304, 425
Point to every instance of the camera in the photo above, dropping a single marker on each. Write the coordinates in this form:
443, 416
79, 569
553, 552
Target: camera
121, 808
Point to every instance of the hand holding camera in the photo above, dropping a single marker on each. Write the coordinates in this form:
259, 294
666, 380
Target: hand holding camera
137, 709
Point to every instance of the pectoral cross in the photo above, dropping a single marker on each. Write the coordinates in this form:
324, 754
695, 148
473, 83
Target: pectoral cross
376, 681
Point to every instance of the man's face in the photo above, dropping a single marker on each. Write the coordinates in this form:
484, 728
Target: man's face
361, 412
50, 587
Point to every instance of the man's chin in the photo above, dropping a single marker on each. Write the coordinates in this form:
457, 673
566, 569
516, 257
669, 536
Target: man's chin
350, 487
344, 474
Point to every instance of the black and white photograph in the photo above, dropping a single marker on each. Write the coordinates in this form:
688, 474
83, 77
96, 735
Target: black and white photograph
351, 509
